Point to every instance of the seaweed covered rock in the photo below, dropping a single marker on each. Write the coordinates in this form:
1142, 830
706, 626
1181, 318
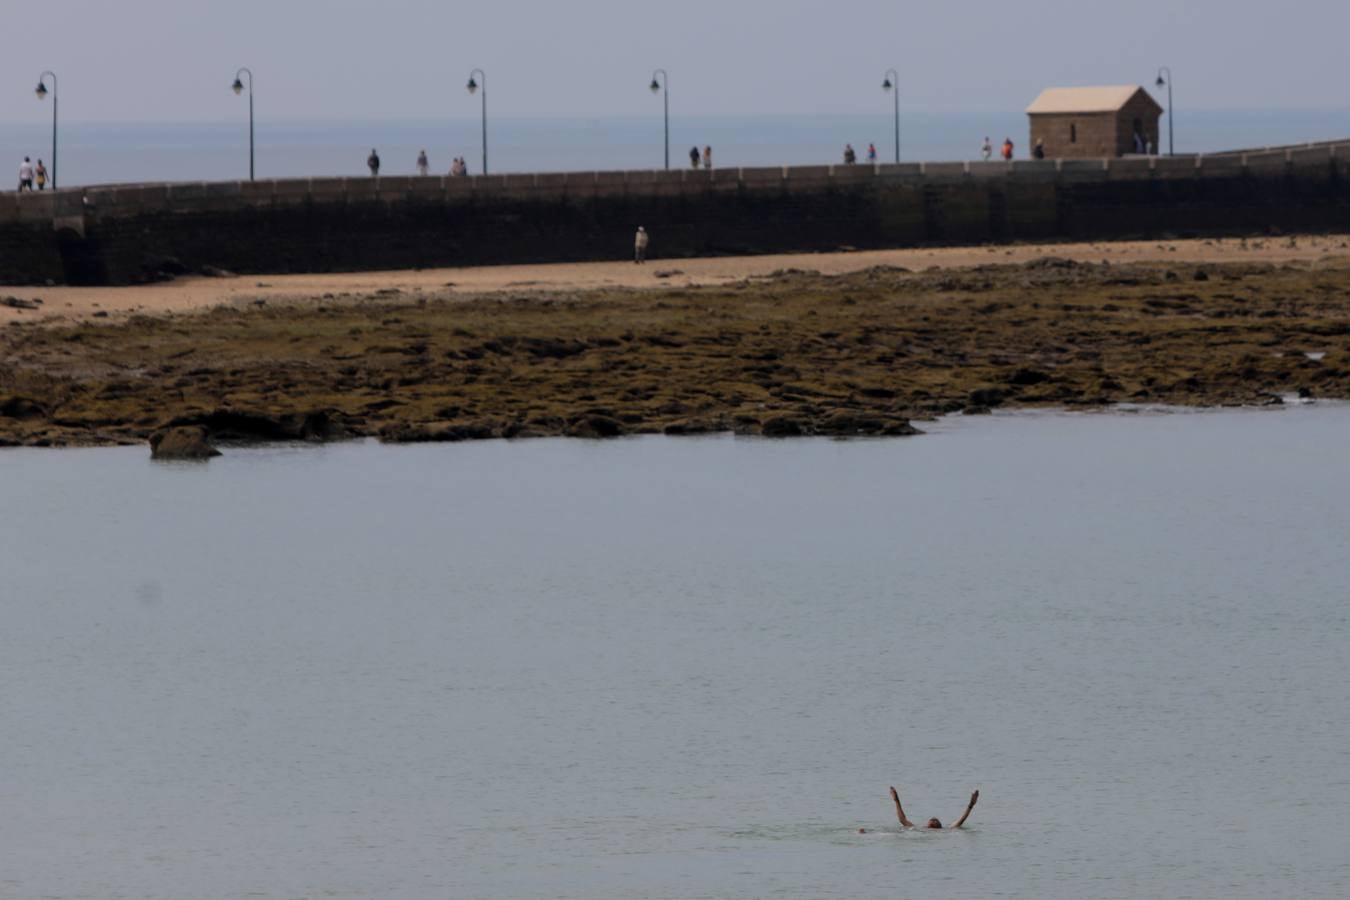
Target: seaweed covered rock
181, 442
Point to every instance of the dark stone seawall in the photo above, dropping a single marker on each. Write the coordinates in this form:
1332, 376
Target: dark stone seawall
125, 234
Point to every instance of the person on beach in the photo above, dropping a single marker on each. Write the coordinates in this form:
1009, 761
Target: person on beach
373, 163
933, 824
871, 153
1039, 150
1008, 149
850, 157
26, 175
41, 173
986, 149
707, 157
640, 241
423, 165
694, 157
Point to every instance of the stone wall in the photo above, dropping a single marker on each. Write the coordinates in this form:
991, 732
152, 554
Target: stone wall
129, 233
1075, 135
1142, 108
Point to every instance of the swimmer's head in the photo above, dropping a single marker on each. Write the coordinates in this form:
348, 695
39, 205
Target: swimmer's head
934, 823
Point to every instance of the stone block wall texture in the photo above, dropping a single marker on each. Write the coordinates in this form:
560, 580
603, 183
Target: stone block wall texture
1074, 135
120, 235
1095, 135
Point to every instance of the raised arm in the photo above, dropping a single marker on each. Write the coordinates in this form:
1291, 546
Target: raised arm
900, 810
966, 815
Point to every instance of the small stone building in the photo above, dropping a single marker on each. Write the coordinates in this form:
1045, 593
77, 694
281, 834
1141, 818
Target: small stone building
1093, 122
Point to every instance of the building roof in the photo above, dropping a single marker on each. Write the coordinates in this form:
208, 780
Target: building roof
1086, 99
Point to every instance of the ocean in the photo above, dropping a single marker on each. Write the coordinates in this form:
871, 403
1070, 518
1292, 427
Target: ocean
685, 667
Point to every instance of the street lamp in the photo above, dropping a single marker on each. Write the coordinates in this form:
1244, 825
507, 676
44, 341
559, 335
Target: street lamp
663, 86
238, 87
41, 92
473, 86
892, 83
1171, 136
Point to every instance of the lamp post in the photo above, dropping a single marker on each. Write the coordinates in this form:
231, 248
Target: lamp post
1171, 135
41, 92
473, 86
892, 83
237, 87
664, 87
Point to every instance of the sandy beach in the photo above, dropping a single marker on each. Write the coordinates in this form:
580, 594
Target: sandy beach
72, 304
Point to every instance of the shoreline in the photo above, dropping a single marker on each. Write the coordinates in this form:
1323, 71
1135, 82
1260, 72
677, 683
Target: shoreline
937, 425
62, 304
790, 352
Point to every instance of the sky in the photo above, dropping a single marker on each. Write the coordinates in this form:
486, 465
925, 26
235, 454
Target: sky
174, 60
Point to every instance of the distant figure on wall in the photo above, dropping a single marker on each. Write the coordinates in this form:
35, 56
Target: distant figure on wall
849, 156
694, 158
986, 149
1007, 149
423, 165
26, 175
373, 163
707, 157
640, 241
41, 172
1039, 150
871, 153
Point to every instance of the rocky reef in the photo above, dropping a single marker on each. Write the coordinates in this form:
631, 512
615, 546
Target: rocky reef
793, 354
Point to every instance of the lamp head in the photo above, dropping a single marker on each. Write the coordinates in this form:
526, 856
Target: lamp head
41, 91
655, 86
472, 85
237, 87
886, 85
1160, 82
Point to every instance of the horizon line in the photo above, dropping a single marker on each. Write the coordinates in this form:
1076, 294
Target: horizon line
474, 120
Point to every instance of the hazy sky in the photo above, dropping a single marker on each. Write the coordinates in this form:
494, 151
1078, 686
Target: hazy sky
167, 60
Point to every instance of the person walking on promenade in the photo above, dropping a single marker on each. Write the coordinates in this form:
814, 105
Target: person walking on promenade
41, 173
26, 175
707, 157
640, 241
1039, 150
694, 157
1008, 149
986, 149
422, 164
373, 163
871, 153
849, 156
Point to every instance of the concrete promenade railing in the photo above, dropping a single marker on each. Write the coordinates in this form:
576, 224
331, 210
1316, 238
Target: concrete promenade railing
118, 234
70, 207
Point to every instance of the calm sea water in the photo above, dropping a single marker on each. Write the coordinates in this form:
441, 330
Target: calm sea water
95, 154
685, 667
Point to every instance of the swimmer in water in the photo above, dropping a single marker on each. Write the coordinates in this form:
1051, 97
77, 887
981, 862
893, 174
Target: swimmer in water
933, 824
